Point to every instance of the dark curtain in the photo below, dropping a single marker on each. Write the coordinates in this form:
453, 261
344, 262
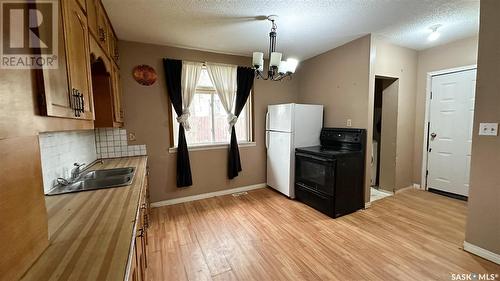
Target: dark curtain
173, 72
245, 77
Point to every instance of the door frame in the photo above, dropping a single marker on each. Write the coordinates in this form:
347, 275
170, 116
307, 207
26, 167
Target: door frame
428, 88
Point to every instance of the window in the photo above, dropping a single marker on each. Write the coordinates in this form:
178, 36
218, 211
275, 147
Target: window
208, 118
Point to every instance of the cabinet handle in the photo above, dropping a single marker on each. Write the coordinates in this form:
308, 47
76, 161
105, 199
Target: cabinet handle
83, 102
117, 55
102, 34
74, 101
77, 102
146, 221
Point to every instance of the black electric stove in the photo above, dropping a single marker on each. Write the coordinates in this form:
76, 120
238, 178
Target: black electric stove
330, 177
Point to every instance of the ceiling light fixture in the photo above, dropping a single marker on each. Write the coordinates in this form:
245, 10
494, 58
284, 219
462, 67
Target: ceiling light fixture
434, 34
278, 69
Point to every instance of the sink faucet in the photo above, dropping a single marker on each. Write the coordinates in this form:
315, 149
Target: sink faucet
76, 171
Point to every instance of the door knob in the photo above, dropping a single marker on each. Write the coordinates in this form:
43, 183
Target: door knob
433, 135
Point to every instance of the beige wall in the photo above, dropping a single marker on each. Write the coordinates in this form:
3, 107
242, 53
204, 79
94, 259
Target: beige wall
146, 115
340, 80
483, 221
455, 54
399, 62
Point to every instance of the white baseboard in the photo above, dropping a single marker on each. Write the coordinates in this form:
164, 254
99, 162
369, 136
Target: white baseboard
368, 205
478, 251
207, 195
413, 186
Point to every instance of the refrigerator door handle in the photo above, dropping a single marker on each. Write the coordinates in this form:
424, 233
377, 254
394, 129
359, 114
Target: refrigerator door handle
267, 120
267, 139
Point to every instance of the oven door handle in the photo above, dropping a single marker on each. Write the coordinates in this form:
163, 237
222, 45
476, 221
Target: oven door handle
314, 157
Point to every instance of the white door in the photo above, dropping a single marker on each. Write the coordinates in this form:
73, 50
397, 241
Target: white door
280, 117
279, 161
450, 131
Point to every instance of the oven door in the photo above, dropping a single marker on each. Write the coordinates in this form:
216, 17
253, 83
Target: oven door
315, 172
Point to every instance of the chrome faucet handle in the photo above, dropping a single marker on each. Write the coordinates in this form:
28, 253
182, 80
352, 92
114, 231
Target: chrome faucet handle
75, 172
62, 181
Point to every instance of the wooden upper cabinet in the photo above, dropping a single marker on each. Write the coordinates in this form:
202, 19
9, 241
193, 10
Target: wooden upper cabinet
65, 91
53, 85
113, 44
82, 4
78, 60
102, 27
92, 15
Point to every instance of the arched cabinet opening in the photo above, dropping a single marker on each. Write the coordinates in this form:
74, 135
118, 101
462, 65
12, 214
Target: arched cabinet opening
102, 88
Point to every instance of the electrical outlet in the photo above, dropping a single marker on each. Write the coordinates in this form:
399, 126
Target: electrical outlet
349, 122
131, 136
488, 129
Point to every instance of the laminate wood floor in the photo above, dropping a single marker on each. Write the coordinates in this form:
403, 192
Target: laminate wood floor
413, 235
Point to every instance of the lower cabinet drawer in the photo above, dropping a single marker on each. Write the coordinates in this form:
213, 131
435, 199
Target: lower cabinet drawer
315, 200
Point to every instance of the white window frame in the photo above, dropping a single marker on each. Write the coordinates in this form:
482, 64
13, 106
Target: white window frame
214, 145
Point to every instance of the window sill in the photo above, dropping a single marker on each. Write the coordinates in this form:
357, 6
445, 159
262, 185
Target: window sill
200, 147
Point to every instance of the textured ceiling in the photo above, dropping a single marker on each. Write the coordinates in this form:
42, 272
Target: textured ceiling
305, 28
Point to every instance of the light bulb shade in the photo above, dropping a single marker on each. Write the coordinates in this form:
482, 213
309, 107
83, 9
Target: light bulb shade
258, 59
275, 59
283, 67
292, 65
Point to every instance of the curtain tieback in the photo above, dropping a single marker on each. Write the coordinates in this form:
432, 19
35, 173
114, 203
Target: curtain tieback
231, 119
183, 119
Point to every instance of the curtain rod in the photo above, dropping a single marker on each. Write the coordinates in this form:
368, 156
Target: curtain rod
205, 63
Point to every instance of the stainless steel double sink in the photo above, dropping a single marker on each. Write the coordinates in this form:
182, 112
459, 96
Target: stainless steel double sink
97, 179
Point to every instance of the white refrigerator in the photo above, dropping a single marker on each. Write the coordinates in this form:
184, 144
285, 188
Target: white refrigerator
289, 126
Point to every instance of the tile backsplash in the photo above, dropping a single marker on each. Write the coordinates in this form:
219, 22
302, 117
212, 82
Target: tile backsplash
112, 142
59, 150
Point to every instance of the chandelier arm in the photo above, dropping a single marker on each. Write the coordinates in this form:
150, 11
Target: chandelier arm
259, 74
272, 71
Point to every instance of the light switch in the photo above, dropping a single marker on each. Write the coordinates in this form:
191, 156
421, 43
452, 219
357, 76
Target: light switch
349, 122
488, 129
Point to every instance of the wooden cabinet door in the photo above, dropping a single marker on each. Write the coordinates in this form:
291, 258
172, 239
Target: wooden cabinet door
134, 266
117, 94
141, 250
92, 14
83, 4
77, 51
113, 46
116, 54
53, 84
102, 27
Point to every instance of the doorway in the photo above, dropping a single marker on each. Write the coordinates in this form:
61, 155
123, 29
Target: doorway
384, 143
449, 132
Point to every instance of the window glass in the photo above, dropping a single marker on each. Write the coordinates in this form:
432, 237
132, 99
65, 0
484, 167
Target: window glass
208, 118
